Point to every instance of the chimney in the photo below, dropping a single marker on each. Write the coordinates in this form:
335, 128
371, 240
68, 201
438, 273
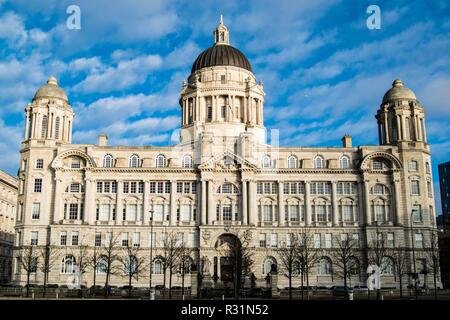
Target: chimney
102, 140
347, 141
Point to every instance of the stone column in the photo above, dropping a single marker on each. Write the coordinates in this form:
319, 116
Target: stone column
203, 203
361, 205
27, 125
379, 133
367, 203
211, 209
386, 129
173, 205
281, 213
424, 131
399, 128
58, 212
89, 202
253, 214
396, 200
308, 202
146, 205
244, 203
33, 124
119, 204
334, 204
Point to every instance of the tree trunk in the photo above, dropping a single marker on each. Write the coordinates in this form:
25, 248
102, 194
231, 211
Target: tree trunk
401, 286
129, 285
170, 283
290, 286
28, 282
307, 285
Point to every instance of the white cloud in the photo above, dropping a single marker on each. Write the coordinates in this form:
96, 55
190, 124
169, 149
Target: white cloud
10, 138
182, 56
125, 74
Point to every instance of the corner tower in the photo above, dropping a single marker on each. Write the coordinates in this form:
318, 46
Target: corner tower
222, 96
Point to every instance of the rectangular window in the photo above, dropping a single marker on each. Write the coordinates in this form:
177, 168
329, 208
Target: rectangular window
131, 212
187, 187
259, 188
226, 212
74, 238
114, 187
328, 240
76, 163
75, 187
124, 239
180, 239
39, 163
317, 240
379, 213
418, 240
347, 212
98, 239
107, 187
413, 165
104, 211
63, 238
141, 187
152, 187
274, 240
35, 211
73, 211
136, 239
262, 240
344, 237
34, 235
133, 187
390, 239
185, 212
355, 238
267, 213
160, 187
377, 165
167, 187
158, 212
415, 187
99, 187
38, 185
126, 187
417, 212
194, 187
321, 212
294, 213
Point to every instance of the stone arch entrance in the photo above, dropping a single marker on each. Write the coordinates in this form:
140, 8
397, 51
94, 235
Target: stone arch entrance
228, 248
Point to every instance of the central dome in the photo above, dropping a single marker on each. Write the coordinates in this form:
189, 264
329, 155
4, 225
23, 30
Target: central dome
221, 55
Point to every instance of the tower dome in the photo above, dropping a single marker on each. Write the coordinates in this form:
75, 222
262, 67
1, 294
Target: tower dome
399, 91
51, 90
222, 53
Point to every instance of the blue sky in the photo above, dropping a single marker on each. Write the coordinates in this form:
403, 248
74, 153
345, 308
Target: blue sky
323, 70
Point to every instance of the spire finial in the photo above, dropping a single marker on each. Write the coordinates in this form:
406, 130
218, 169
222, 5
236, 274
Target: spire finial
221, 19
221, 34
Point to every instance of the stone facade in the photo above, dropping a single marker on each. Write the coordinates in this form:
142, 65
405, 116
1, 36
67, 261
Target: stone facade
223, 178
8, 202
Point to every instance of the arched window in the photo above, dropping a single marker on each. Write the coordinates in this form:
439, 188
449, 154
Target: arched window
427, 167
345, 162
325, 266
387, 266
266, 162
319, 162
67, 264
160, 161
292, 162
134, 161
394, 130
187, 161
130, 265
380, 189
185, 265
44, 126
108, 161
33, 264
158, 266
102, 266
267, 265
296, 267
57, 125
413, 165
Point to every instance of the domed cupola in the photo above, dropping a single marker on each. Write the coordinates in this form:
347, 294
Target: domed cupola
399, 92
222, 53
401, 117
51, 90
49, 116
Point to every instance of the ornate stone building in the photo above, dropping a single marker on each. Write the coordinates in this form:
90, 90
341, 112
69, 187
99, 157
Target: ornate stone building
8, 202
221, 179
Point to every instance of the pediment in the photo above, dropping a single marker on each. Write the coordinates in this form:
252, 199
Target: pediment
227, 160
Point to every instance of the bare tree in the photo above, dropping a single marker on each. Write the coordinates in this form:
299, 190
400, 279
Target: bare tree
344, 258
109, 256
400, 256
133, 264
377, 251
432, 259
93, 262
308, 255
171, 249
289, 260
49, 255
29, 261
82, 258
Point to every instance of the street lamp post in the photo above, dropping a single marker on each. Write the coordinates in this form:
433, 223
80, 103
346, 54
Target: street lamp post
413, 253
150, 292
